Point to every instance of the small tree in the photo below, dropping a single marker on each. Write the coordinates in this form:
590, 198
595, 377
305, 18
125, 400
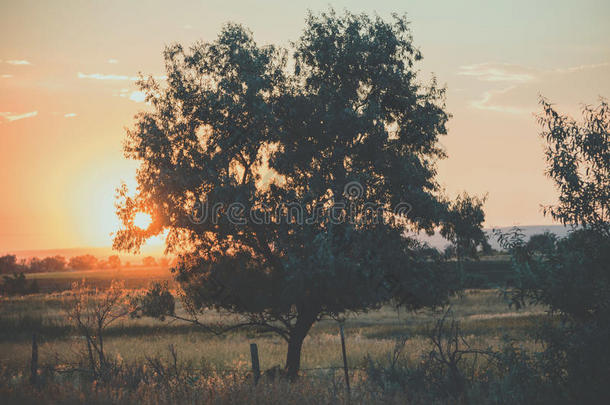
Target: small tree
542, 242
92, 312
286, 188
10, 265
149, 261
114, 262
462, 226
83, 262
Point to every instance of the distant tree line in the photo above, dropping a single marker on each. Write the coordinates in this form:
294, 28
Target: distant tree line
10, 264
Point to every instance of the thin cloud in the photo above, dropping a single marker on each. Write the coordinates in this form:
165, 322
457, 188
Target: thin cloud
6, 76
520, 80
113, 61
485, 103
14, 117
18, 62
498, 72
70, 115
101, 76
137, 96
583, 67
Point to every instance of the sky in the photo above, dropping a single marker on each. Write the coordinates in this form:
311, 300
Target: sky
67, 94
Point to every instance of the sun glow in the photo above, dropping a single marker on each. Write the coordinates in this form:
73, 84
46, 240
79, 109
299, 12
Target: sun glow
142, 220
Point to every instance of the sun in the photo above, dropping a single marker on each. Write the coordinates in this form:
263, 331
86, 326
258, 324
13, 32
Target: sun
142, 220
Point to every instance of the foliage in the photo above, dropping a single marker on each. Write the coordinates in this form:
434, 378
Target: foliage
543, 243
10, 265
572, 275
156, 302
48, 264
149, 261
454, 371
578, 160
83, 262
18, 285
114, 262
313, 169
462, 227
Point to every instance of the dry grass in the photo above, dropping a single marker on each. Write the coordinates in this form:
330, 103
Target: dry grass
485, 319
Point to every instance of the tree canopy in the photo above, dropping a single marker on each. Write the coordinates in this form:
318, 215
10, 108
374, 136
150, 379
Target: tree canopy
286, 181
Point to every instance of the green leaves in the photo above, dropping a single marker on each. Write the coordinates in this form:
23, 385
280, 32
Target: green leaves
578, 161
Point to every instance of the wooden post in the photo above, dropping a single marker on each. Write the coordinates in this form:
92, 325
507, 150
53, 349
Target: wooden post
344, 358
256, 368
34, 363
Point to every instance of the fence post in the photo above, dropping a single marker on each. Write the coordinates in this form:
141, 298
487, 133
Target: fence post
34, 363
256, 369
344, 358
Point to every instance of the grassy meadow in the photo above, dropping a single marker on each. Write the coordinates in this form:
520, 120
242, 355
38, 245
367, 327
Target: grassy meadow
485, 319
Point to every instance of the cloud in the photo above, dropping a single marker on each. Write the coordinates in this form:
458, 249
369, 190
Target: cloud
101, 76
13, 117
188, 27
485, 103
113, 61
515, 89
18, 62
70, 115
6, 76
498, 72
137, 96
582, 67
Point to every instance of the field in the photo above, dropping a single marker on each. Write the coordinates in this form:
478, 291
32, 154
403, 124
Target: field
486, 321
134, 277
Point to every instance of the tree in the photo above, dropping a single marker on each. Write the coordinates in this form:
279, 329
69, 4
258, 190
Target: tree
18, 285
83, 262
9, 264
114, 262
578, 161
48, 264
462, 226
542, 242
91, 313
149, 261
571, 275
286, 188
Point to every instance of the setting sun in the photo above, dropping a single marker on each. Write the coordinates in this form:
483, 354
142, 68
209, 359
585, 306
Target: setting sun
142, 220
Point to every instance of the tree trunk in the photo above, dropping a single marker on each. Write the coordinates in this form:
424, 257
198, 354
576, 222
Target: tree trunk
295, 344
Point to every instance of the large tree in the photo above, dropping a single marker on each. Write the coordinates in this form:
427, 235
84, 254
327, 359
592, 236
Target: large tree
286, 184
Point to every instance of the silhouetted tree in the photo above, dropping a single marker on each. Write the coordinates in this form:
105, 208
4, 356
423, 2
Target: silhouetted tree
286, 188
9, 265
83, 262
18, 285
149, 261
542, 242
48, 264
578, 160
114, 262
462, 226
571, 275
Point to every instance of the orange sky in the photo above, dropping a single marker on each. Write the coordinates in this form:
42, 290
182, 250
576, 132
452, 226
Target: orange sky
66, 95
